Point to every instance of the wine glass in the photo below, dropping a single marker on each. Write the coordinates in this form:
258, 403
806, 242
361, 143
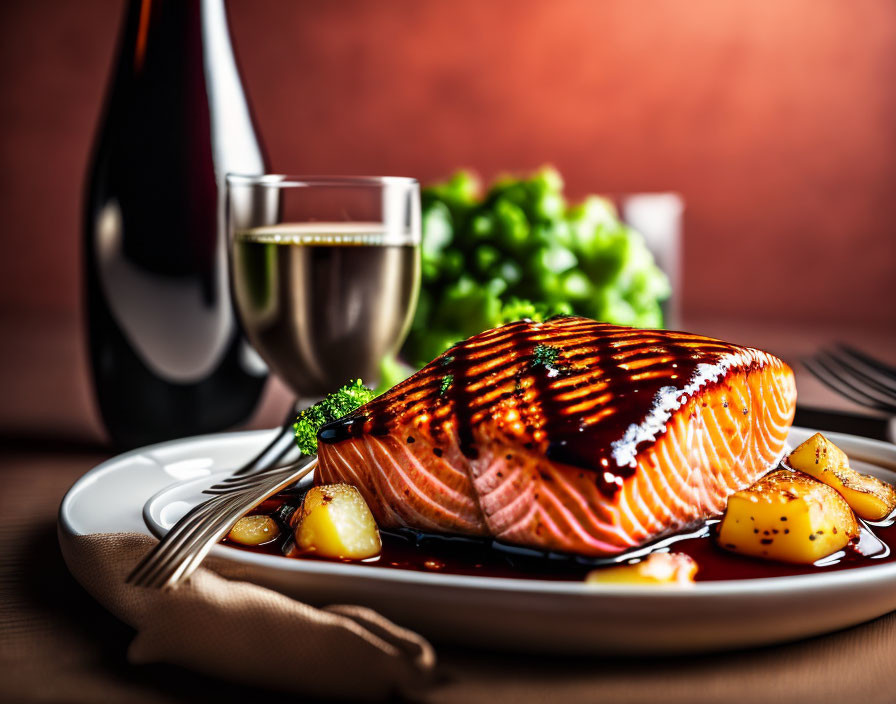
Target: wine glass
325, 273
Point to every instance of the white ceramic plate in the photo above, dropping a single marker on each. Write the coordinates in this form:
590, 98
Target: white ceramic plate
161, 482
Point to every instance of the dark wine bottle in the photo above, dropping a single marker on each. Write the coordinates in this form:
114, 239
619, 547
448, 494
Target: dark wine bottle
166, 353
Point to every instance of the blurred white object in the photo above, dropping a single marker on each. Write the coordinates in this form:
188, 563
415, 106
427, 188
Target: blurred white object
658, 217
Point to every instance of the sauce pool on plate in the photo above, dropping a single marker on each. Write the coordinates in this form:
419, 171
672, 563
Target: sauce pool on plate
412, 550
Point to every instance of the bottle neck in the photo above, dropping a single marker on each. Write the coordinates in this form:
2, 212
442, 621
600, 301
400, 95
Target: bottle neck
166, 36
176, 65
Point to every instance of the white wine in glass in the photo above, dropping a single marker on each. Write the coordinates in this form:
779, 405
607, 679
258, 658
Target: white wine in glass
323, 301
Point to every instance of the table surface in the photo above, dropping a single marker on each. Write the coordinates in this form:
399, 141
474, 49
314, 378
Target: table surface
56, 644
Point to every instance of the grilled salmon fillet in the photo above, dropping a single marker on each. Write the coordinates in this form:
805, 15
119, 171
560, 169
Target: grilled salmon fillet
567, 435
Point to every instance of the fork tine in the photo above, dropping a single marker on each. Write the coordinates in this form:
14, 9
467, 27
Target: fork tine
838, 381
882, 367
835, 381
218, 490
825, 378
872, 374
238, 483
831, 383
871, 386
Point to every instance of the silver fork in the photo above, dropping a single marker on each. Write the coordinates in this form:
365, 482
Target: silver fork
182, 550
856, 376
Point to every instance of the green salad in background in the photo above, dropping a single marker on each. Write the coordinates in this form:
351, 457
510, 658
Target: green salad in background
520, 250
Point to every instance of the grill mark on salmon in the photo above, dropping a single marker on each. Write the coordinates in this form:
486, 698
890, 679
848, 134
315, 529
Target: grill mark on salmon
625, 436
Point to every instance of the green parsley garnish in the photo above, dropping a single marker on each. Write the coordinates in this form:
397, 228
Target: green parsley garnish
447, 380
545, 356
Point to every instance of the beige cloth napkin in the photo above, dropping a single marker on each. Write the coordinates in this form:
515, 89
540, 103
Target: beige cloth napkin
250, 634
246, 633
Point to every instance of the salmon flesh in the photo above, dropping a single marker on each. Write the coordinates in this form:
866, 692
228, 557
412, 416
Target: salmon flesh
568, 435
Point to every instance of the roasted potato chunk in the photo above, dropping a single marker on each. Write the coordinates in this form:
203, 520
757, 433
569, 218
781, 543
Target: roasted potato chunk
870, 498
657, 568
254, 530
334, 521
789, 517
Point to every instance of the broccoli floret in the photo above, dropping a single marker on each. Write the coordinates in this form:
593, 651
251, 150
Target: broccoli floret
335, 406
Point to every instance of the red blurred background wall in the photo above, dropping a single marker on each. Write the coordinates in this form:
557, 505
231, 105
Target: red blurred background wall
776, 120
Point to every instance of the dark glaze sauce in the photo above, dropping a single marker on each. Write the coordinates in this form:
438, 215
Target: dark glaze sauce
412, 550
607, 390
589, 400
